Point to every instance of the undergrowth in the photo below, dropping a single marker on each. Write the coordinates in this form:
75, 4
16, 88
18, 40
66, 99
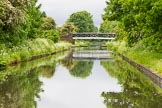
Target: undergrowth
39, 46
140, 54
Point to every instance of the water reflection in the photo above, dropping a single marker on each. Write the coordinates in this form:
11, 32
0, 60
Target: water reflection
138, 91
62, 81
81, 69
20, 85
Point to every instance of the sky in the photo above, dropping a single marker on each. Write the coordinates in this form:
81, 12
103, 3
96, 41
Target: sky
60, 10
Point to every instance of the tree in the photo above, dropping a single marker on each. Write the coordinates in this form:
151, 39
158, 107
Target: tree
140, 20
48, 23
68, 28
109, 26
34, 20
19, 21
48, 29
12, 19
83, 20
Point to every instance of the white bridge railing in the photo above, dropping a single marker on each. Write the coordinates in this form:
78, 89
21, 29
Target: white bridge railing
99, 36
94, 38
90, 54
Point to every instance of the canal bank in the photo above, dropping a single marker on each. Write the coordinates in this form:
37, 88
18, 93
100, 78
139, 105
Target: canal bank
63, 81
140, 59
139, 54
149, 73
31, 50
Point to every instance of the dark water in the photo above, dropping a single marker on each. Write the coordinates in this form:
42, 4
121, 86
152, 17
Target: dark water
84, 78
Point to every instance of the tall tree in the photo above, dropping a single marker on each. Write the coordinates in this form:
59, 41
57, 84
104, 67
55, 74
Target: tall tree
140, 20
34, 19
68, 28
109, 26
83, 20
19, 20
48, 29
12, 19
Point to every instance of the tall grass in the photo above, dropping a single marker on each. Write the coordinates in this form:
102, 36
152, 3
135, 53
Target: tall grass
140, 54
35, 47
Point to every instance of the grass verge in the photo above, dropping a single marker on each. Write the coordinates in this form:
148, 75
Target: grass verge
139, 54
30, 49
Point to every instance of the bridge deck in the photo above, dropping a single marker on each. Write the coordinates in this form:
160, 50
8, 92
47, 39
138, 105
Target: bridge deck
90, 54
94, 38
88, 36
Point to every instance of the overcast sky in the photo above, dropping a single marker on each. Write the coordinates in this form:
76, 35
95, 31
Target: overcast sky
60, 10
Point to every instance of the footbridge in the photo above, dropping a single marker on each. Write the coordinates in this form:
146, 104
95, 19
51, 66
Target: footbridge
98, 36
88, 36
92, 55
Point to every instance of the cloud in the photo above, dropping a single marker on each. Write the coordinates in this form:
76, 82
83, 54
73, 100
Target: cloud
60, 10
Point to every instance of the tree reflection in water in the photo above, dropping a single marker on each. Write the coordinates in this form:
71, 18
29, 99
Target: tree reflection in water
138, 91
77, 68
81, 69
19, 89
20, 85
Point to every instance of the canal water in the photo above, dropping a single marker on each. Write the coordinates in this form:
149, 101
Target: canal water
79, 78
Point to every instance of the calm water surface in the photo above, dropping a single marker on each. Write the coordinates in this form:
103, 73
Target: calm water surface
66, 91
82, 78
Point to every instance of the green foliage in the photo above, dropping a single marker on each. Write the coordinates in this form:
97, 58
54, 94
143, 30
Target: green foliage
109, 27
19, 20
49, 23
83, 21
48, 30
12, 19
82, 43
140, 20
20, 85
140, 54
81, 72
34, 20
24, 52
135, 87
68, 28
24, 55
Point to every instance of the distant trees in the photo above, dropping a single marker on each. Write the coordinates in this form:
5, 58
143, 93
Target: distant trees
48, 29
139, 20
68, 28
83, 21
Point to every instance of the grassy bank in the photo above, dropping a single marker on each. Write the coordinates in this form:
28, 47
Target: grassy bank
29, 50
81, 43
139, 54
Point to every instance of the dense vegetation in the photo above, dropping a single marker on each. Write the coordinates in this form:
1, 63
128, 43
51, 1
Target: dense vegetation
138, 25
68, 28
135, 87
21, 20
25, 31
83, 21
138, 20
109, 27
21, 85
139, 54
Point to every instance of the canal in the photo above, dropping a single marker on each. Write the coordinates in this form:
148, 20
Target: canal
79, 78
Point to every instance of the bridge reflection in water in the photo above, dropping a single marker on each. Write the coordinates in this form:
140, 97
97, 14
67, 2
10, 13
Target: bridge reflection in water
92, 55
